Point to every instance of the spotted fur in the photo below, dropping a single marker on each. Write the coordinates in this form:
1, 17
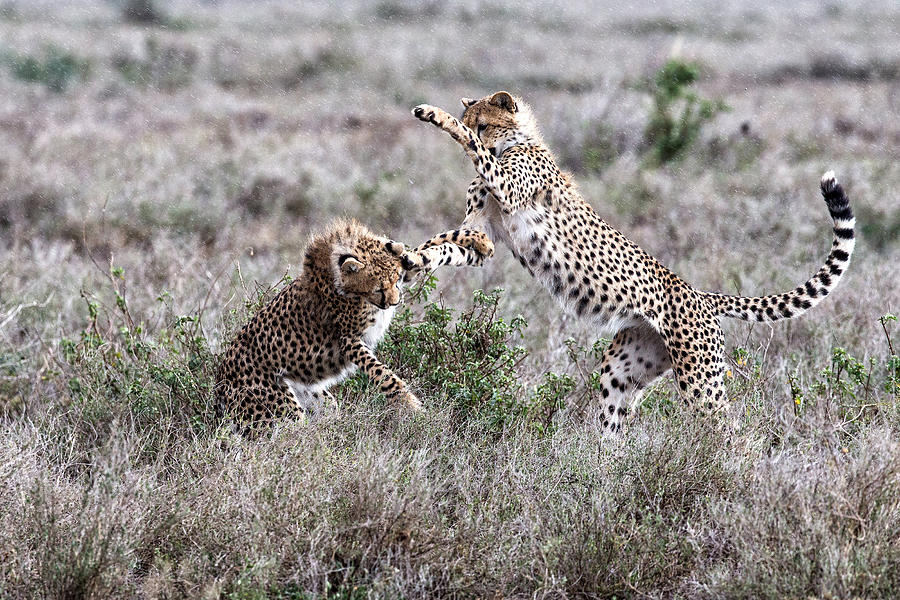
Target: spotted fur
660, 321
319, 329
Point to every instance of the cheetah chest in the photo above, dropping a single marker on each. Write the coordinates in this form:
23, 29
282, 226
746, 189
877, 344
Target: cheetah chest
380, 323
373, 334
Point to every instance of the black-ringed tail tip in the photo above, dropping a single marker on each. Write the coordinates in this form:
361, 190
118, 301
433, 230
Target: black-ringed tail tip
839, 207
805, 296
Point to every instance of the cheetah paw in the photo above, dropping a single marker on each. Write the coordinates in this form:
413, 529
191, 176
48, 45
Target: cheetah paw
412, 261
427, 113
483, 245
411, 401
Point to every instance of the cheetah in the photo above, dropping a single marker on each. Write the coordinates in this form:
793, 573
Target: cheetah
658, 320
323, 325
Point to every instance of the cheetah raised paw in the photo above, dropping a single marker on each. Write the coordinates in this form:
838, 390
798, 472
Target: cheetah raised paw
427, 113
412, 261
480, 243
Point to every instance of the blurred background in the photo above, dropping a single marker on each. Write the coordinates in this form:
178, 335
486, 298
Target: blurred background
182, 141
163, 163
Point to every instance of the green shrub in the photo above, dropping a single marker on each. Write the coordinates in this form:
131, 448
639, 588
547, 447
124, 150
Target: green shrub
849, 385
469, 361
847, 392
678, 114
55, 70
116, 371
145, 12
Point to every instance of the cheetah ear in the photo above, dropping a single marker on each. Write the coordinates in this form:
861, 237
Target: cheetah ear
467, 102
349, 264
505, 101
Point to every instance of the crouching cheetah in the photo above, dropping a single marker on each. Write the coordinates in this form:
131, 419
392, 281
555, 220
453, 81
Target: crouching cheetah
323, 325
662, 323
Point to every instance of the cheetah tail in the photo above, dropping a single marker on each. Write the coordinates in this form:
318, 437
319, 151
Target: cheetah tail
799, 300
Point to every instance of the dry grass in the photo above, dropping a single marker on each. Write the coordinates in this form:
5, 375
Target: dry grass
149, 182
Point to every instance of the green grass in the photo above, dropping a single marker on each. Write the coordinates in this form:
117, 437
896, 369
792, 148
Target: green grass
496, 487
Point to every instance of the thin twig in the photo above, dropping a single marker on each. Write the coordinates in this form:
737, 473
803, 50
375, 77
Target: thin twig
883, 322
87, 248
858, 415
14, 312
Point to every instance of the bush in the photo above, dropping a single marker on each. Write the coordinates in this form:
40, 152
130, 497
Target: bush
56, 70
850, 387
678, 115
145, 12
470, 363
117, 372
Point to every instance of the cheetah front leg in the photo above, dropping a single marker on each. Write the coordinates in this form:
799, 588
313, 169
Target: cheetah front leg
390, 385
460, 247
509, 193
462, 250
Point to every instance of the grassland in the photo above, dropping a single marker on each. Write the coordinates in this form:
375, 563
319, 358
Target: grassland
158, 175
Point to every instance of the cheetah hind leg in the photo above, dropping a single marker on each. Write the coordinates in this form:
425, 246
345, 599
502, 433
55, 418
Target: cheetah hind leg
262, 406
636, 358
312, 402
699, 366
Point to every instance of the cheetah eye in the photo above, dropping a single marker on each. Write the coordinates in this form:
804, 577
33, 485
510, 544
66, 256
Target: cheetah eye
481, 129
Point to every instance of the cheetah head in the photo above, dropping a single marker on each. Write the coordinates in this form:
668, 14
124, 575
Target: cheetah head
500, 121
370, 269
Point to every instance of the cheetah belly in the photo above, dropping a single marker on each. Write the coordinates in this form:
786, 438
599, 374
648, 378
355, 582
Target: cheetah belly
521, 227
526, 235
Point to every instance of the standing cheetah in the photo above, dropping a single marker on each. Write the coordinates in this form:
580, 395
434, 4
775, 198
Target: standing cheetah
662, 323
323, 325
